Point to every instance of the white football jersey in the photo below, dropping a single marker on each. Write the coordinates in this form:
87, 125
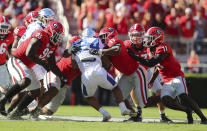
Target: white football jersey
30, 29
84, 59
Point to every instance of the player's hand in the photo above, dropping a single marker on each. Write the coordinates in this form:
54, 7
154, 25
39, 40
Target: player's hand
95, 51
64, 80
150, 85
73, 49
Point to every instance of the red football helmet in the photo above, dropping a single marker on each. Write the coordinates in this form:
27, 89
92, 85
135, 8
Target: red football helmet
136, 33
107, 33
5, 26
31, 17
154, 36
55, 31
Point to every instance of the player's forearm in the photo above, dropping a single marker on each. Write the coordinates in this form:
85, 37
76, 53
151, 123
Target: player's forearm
56, 71
149, 63
111, 51
154, 75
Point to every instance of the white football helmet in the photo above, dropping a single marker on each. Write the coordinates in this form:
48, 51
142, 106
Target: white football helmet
88, 32
45, 16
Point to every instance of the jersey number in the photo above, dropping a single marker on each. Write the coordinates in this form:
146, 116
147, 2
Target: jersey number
164, 48
3, 48
95, 44
45, 54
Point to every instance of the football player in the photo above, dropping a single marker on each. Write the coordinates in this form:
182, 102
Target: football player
6, 40
94, 75
136, 35
162, 58
37, 49
133, 74
55, 92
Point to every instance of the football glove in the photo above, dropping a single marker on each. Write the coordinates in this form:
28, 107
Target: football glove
95, 51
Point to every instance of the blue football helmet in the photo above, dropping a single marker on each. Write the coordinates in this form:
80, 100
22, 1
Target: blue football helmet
45, 16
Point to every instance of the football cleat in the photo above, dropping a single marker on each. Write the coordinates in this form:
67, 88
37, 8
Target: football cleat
163, 118
106, 118
2, 107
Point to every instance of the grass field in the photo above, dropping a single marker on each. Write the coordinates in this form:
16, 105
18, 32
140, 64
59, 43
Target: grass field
67, 125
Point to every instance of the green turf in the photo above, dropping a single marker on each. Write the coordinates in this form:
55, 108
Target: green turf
100, 126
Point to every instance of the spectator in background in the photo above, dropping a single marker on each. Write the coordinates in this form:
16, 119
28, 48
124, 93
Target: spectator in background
146, 22
100, 21
120, 19
172, 25
192, 61
158, 22
89, 21
187, 29
154, 8
109, 15
81, 15
200, 29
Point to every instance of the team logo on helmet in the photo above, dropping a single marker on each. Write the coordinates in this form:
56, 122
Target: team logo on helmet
111, 29
158, 31
55, 25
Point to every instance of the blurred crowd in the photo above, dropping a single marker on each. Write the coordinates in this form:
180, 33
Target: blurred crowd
16, 10
184, 21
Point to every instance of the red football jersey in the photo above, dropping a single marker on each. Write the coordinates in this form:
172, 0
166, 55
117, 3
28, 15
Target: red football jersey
123, 62
169, 68
142, 53
19, 31
4, 44
65, 66
44, 52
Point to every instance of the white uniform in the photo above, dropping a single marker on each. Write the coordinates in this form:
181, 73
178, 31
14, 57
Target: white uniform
4, 78
93, 74
18, 70
156, 85
175, 87
54, 104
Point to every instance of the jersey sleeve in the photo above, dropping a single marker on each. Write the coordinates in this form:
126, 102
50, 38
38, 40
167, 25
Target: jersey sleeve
19, 31
114, 42
162, 49
40, 35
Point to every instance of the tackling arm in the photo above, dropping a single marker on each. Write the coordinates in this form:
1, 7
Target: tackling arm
15, 43
154, 75
32, 48
55, 69
113, 51
148, 62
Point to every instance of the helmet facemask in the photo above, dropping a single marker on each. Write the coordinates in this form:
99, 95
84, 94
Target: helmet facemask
4, 29
150, 41
136, 37
103, 38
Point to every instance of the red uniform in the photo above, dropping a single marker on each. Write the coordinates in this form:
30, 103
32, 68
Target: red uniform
141, 53
169, 68
123, 62
4, 44
19, 31
44, 52
65, 66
